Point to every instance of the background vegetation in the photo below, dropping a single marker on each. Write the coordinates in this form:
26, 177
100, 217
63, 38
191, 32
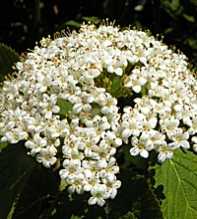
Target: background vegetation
23, 22
28, 190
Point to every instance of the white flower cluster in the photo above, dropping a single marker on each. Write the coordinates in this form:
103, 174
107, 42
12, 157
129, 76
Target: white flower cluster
164, 115
59, 108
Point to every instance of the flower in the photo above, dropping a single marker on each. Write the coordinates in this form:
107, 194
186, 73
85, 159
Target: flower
65, 104
139, 147
99, 194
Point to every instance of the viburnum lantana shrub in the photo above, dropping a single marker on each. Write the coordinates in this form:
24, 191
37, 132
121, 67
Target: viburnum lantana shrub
77, 99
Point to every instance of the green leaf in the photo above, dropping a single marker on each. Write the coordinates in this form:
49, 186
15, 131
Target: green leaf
15, 167
96, 109
173, 4
73, 23
62, 185
38, 197
135, 196
7, 58
3, 145
173, 8
10, 215
65, 107
116, 86
67, 206
189, 18
93, 20
179, 177
191, 42
194, 2
129, 215
76, 217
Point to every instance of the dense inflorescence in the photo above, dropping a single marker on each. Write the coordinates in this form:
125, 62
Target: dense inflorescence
62, 105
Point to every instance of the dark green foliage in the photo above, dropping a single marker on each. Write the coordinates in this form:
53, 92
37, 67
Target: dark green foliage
116, 87
38, 194
135, 200
3, 145
31, 191
129, 215
24, 22
26, 188
7, 58
15, 168
65, 107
